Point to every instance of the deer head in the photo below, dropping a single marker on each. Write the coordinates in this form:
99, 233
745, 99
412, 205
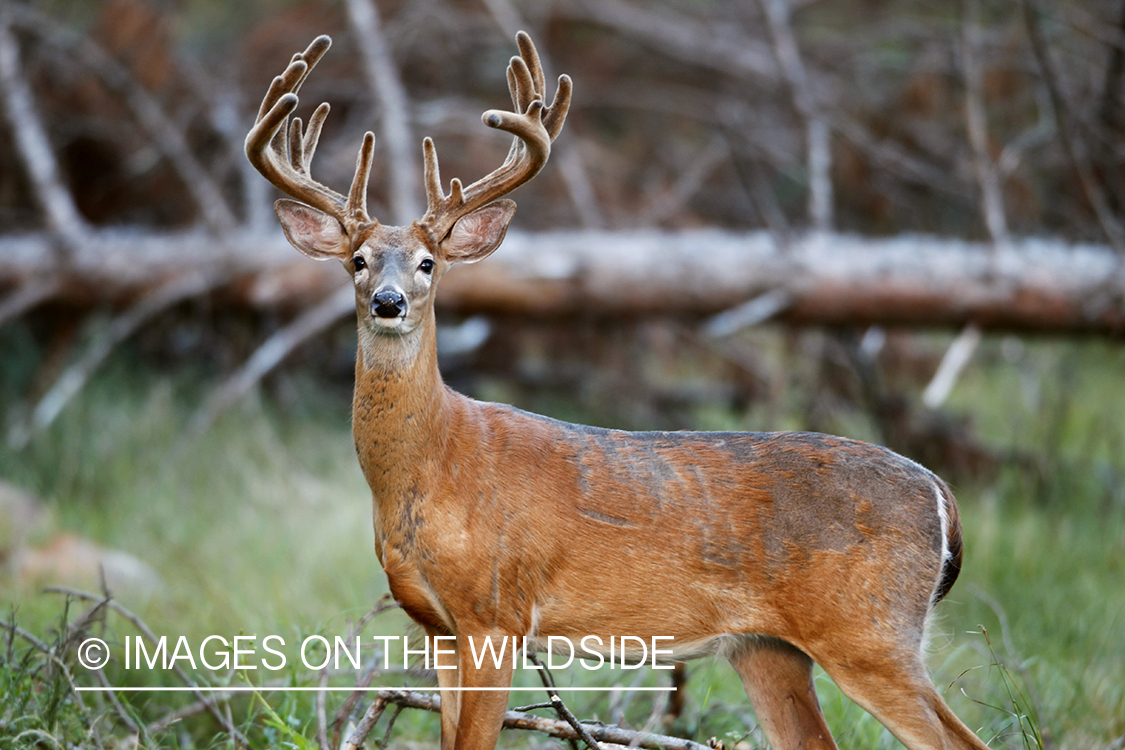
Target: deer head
396, 269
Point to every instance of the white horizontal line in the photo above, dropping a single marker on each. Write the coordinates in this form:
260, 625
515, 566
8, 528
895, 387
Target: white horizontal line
265, 689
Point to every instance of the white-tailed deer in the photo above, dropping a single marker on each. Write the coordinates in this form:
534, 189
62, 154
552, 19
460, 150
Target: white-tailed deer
774, 550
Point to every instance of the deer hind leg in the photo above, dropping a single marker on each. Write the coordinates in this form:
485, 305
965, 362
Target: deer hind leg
448, 678
899, 693
778, 680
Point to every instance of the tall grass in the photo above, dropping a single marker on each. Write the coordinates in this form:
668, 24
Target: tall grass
264, 526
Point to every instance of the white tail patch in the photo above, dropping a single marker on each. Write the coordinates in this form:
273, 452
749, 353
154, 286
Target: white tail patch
943, 517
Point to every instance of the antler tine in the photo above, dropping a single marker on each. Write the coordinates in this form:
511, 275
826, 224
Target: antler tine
283, 153
357, 196
530, 56
555, 115
534, 126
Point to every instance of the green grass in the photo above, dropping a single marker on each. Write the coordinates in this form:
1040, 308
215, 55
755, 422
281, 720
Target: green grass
263, 527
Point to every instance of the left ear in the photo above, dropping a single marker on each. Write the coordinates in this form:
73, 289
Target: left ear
476, 235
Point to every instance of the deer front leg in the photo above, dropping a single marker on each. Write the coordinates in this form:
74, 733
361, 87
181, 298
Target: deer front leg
481, 714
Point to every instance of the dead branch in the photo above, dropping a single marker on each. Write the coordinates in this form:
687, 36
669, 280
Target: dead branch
837, 279
166, 136
144, 630
681, 37
311, 322
370, 718
191, 709
363, 681
992, 197
50, 652
952, 363
1109, 223
517, 720
394, 109
34, 147
28, 296
817, 132
70, 382
671, 200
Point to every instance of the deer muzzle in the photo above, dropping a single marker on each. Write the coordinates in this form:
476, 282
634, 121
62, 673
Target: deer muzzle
388, 303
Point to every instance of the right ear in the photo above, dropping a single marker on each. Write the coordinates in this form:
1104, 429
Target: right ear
313, 232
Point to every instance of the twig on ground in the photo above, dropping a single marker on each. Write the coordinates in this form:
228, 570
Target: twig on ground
548, 680
322, 711
1017, 662
126, 719
55, 659
144, 630
557, 728
370, 718
390, 725
385, 603
191, 709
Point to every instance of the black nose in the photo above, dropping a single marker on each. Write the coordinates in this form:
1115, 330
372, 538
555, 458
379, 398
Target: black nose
387, 303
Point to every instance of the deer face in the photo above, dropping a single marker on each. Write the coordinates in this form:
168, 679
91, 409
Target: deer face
395, 269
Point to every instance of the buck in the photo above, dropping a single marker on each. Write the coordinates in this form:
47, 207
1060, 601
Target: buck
773, 550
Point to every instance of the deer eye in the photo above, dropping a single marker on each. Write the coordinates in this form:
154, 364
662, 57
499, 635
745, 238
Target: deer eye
426, 266
358, 263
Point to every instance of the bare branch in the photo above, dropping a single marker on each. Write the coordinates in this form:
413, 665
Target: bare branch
517, 720
144, 630
1109, 223
166, 135
956, 357
171, 292
670, 201
992, 198
33, 146
28, 296
817, 132
311, 322
394, 110
370, 718
191, 709
678, 36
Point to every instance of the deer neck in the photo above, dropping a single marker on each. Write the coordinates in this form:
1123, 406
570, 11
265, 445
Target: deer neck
399, 413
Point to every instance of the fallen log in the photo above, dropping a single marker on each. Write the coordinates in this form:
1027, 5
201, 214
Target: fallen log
822, 279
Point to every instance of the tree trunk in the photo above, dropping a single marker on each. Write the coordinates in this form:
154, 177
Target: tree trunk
823, 279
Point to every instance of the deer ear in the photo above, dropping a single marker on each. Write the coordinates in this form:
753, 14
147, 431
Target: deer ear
476, 235
310, 230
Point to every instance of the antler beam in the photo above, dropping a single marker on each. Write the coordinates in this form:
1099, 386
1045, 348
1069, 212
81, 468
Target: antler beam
534, 126
283, 153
